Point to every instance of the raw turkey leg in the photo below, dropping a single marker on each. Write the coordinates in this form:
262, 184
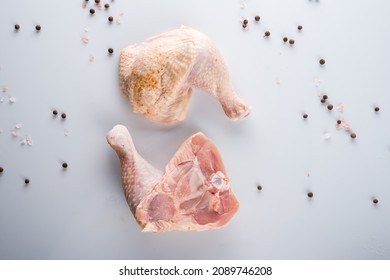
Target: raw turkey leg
158, 75
193, 194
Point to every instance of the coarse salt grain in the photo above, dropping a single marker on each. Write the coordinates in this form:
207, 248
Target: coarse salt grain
15, 133
18, 125
66, 132
86, 29
242, 5
12, 99
327, 136
119, 20
340, 107
316, 82
85, 39
29, 140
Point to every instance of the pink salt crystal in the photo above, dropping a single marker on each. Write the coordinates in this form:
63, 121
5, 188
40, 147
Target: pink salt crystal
91, 58
5, 88
85, 39
100, 6
340, 107
14, 133
242, 5
347, 127
339, 126
84, 5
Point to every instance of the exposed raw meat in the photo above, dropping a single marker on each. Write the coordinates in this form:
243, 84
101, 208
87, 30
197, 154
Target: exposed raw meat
193, 194
157, 76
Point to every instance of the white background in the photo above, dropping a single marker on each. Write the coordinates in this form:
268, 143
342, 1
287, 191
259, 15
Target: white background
81, 213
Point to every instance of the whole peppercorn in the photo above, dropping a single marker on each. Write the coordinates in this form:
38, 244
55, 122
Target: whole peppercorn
353, 135
106, 5
38, 27
375, 201
376, 109
1, 169
299, 27
110, 50
55, 112
305, 116
65, 165
291, 41
322, 61
91, 11
17, 26
310, 194
259, 187
245, 21
63, 115
110, 18
325, 96
285, 39
257, 18
27, 181
267, 34
330, 107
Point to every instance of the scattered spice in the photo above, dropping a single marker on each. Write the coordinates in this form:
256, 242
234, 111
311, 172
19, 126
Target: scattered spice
376, 109
63, 115
310, 194
323, 100
110, 50
65, 165
330, 107
257, 18
27, 181
55, 112
110, 18
97, 1
375, 201
106, 5
1, 169
322, 61
245, 21
325, 96
291, 41
300, 27
338, 121
259, 187
267, 34
285, 39
38, 27
17, 26
91, 11
353, 135
305, 116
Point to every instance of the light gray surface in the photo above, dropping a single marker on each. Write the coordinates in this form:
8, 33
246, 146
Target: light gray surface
81, 212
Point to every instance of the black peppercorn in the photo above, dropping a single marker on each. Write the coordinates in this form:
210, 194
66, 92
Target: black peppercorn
110, 50
322, 61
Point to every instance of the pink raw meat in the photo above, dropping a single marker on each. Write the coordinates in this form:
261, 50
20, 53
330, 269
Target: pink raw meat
193, 194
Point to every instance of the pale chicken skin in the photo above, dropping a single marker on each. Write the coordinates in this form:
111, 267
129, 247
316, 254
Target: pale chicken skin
193, 194
158, 75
